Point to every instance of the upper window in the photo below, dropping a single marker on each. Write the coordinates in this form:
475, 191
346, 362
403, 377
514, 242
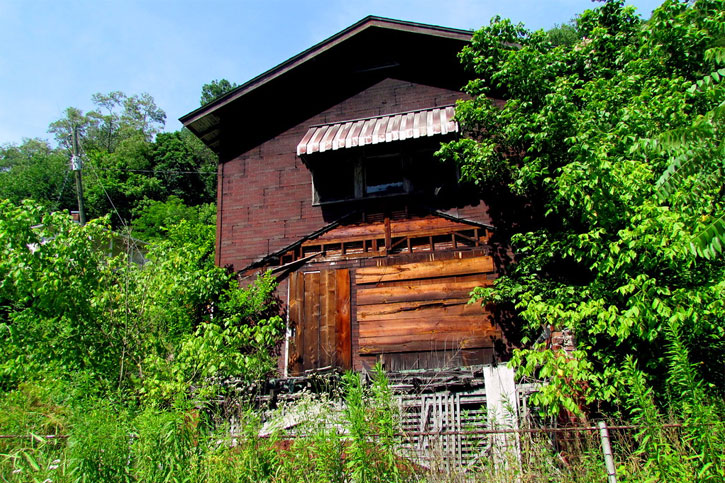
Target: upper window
384, 175
389, 155
339, 177
334, 183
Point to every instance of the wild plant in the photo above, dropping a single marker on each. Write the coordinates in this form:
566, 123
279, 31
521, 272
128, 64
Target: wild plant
165, 445
374, 446
240, 457
99, 447
703, 429
34, 458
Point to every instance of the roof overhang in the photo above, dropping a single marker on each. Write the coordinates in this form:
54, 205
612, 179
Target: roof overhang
325, 74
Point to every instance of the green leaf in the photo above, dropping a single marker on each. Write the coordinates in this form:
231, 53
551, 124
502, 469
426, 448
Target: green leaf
31, 461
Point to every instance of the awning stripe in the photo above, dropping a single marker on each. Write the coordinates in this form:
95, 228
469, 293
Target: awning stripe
382, 129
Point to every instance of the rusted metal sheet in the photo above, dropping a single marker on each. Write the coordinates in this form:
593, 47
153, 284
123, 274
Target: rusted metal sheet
326, 143
307, 137
314, 144
380, 129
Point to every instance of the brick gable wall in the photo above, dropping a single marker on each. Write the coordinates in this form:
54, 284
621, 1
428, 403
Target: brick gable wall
265, 194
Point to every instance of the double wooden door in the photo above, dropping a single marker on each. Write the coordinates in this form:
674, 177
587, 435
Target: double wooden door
319, 315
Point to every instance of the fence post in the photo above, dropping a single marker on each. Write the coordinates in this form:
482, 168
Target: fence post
607, 450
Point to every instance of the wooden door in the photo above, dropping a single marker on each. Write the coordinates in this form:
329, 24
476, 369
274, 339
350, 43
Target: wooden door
319, 314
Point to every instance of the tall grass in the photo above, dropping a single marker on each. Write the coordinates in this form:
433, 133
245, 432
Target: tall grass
356, 441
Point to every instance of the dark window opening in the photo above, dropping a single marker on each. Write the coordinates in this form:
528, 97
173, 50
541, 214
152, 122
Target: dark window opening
384, 175
373, 173
335, 183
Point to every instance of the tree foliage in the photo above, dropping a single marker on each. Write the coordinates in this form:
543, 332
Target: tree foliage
35, 170
115, 118
174, 164
215, 89
597, 251
69, 307
128, 162
564, 34
152, 218
185, 166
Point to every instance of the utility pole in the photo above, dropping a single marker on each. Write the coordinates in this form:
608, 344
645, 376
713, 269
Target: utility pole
77, 165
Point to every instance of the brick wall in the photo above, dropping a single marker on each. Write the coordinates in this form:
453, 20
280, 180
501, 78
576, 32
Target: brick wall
265, 195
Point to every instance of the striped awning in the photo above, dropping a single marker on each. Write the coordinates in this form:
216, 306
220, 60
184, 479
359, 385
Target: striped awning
375, 130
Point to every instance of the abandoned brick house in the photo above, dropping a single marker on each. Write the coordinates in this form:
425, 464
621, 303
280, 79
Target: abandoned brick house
327, 176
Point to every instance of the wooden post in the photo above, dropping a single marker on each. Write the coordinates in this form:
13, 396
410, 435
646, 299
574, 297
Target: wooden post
459, 428
503, 413
388, 235
607, 450
77, 166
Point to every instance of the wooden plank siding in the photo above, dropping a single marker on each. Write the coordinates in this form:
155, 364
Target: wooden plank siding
424, 270
343, 336
409, 310
419, 307
432, 290
311, 338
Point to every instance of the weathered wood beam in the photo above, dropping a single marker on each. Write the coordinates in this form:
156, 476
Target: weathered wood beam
387, 234
387, 345
433, 269
414, 292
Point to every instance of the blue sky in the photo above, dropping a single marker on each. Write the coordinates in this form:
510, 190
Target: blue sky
57, 53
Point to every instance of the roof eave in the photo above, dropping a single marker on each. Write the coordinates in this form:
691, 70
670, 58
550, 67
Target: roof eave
317, 49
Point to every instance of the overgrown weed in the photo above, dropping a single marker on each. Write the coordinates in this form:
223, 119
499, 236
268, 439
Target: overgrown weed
328, 442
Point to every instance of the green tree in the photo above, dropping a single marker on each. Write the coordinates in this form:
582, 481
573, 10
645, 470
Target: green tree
152, 219
697, 157
51, 272
71, 310
596, 250
186, 169
138, 171
564, 34
35, 170
129, 162
62, 129
105, 121
116, 117
116, 182
215, 89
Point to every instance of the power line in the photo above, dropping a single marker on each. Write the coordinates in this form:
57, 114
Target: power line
131, 240
154, 171
60, 193
98, 180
